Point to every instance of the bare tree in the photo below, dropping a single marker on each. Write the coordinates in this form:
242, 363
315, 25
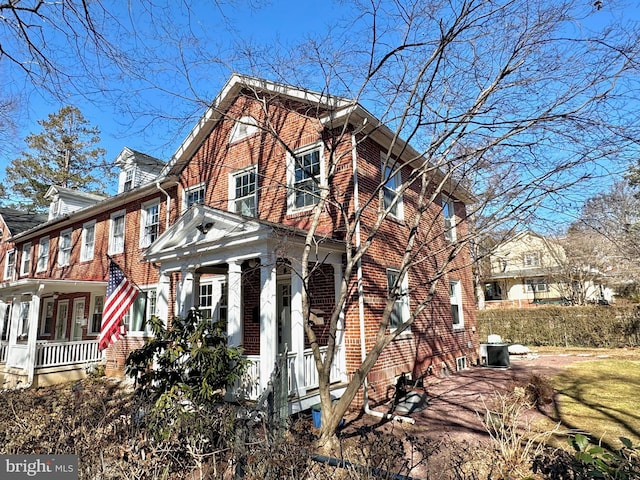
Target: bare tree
513, 99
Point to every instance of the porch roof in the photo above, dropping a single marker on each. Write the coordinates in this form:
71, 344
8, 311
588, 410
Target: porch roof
31, 286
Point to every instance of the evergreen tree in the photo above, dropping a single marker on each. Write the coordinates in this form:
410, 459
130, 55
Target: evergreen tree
64, 153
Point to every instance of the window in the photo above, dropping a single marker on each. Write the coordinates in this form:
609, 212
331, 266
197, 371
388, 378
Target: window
116, 236
10, 264
46, 322
150, 224
531, 259
194, 195
5, 322
448, 213
537, 285
23, 322
43, 254
400, 313
243, 192
244, 127
305, 177
96, 314
62, 316
64, 248
392, 199
142, 309
205, 301
223, 306
88, 241
128, 180
25, 260
455, 297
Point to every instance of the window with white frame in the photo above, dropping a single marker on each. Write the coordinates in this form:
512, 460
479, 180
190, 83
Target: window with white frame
455, 298
150, 223
64, 248
62, 317
243, 192
88, 241
128, 180
96, 314
25, 259
193, 195
9, 264
392, 183
305, 178
5, 322
400, 313
43, 254
531, 259
448, 213
144, 307
537, 285
23, 321
223, 304
46, 322
244, 127
205, 301
116, 234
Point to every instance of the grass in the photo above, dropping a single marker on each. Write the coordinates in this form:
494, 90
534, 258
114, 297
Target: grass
600, 398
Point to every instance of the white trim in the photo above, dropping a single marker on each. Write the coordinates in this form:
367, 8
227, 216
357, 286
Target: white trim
450, 222
92, 307
8, 272
291, 167
113, 248
25, 259
85, 254
387, 162
61, 252
404, 301
43, 316
42, 262
187, 190
144, 214
455, 299
232, 188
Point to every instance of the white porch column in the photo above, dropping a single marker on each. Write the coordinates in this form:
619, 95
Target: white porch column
34, 315
185, 292
341, 359
162, 297
297, 332
234, 302
3, 310
268, 319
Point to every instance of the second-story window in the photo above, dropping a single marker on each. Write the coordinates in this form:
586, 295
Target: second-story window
150, 224
64, 248
244, 192
531, 259
392, 198
305, 177
194, 195
10, 264
25, 260
43, 254
88, 241
448, 213
116, 234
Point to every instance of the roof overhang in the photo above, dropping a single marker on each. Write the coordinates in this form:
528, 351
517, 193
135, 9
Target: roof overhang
44, 287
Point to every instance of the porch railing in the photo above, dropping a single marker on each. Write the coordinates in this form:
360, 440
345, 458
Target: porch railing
4, 348
250, 385
66, 353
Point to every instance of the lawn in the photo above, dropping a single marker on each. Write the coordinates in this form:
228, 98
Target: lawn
600, 397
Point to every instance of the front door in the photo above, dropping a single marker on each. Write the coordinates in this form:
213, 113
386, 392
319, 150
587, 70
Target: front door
284, 315
78, 318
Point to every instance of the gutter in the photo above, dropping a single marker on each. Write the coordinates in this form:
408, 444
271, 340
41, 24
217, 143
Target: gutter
363, 348
159, 187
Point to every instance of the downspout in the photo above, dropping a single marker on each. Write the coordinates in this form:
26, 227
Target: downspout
168, 204
363, 348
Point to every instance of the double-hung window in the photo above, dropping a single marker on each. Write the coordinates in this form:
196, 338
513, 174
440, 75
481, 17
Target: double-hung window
531, 259
305, 178
116, 235
25, 259
88, 241
455, 298
448, 213
205, 301
243, 192
400, 312
392, 183
150, 224
193, 195
64, 248
9, 264
96, 314
144, 307
43, 254
128, 180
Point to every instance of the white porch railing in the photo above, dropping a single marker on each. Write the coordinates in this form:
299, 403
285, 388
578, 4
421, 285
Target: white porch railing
66, 353
4, 347
250, 385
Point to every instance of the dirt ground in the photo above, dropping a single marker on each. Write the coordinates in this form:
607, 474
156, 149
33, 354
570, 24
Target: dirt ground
454, 402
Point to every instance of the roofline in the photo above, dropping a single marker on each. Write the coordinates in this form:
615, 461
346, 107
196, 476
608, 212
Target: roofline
108, 203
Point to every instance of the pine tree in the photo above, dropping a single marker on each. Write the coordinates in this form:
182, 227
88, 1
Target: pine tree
64, 153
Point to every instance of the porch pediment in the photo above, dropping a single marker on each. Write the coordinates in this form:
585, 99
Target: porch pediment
204, 227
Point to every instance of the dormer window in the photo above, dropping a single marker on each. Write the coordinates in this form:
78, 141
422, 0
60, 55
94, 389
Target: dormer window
243, 128
128, 180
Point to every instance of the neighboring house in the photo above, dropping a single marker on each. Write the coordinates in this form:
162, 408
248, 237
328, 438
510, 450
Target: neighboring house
221, 228
530, 270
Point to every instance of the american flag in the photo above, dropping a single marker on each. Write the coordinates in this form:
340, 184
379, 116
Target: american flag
120, 296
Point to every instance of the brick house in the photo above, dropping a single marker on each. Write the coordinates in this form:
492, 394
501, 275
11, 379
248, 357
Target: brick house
221, 228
